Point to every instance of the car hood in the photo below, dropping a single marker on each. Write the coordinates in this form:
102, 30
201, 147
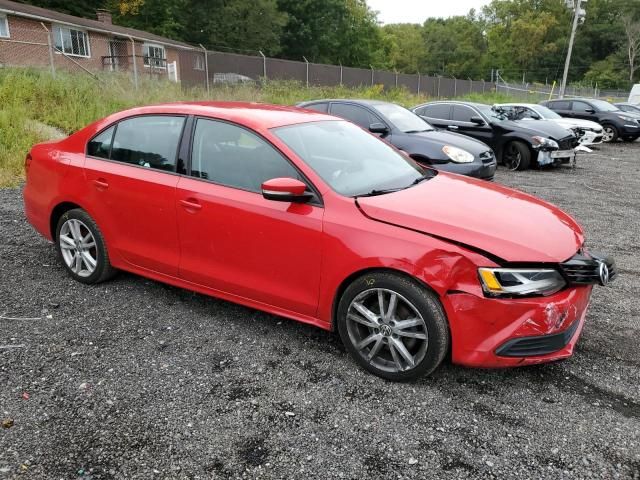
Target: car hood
506, 223
440, 138
577, 122
545, 128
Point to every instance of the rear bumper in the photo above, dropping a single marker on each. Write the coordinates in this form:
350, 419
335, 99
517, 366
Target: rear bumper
484, 329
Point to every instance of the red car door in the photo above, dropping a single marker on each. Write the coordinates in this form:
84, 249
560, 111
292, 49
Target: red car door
234, 240
130, 170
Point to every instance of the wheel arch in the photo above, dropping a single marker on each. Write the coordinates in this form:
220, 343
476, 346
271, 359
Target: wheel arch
56, 214
359, 273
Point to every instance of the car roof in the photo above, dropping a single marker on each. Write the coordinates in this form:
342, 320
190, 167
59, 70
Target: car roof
517, 104
255, 115
359, 101
457, 102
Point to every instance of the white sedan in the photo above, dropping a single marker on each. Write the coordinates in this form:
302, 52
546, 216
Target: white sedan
588, 132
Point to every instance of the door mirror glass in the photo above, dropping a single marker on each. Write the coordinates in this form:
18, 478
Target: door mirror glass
476, 120
379, 128
285, 190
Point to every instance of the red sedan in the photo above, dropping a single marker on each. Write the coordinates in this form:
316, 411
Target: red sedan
307, 216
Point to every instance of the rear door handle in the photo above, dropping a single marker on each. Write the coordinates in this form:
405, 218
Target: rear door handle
190, 204
101, 184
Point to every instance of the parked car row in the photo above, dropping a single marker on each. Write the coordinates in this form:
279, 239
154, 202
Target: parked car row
307, 216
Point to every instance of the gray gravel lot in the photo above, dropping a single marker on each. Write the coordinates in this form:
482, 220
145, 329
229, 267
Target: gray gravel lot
135, 379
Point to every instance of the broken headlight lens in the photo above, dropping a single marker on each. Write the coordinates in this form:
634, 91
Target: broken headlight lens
520, 282
542, 142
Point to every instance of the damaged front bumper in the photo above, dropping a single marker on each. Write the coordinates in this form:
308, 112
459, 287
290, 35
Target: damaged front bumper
482, 328
557, 157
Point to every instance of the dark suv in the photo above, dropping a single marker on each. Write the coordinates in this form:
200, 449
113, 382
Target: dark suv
615, 123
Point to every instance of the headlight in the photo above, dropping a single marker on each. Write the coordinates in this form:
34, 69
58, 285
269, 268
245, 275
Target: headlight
542, 142
626, 118
457, 154
519, 282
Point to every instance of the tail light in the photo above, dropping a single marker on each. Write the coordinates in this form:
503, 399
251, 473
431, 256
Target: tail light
27, 163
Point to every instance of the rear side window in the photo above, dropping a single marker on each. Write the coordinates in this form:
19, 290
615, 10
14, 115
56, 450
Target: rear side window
148, 141
230, 155
559, 105
100, 145
318, 107
441, 111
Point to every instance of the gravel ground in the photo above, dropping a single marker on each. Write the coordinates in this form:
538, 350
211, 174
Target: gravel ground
135, 379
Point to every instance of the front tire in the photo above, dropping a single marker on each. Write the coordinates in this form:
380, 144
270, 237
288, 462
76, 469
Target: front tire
516, 156
610, 134
392, 326
82, 249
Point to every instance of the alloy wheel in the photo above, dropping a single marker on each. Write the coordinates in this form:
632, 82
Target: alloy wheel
387, 330
78, 247
608, 134
512, 157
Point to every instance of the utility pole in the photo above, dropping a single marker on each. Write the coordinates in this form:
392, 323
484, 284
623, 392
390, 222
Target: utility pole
578, 14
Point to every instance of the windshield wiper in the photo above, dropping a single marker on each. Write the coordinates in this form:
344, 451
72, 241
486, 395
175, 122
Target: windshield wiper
376, 192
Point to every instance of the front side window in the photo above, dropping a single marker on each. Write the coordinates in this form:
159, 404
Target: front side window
100, 145
154, 56
353, 113
351, 161
232, 156
71, 41
404, 120
148, 141
462, 113
581, 107
4, 27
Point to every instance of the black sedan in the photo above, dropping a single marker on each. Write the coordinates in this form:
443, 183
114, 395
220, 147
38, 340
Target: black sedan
410, 133
518, 145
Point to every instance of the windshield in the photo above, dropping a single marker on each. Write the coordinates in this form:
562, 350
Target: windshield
603, 106
404, 120
353, 162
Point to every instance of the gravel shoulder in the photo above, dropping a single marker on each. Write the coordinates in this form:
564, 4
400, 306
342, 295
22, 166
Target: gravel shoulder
136, 379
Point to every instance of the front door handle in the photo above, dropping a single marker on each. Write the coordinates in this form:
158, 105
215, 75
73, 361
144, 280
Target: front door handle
101, 183
452, 127
190, 204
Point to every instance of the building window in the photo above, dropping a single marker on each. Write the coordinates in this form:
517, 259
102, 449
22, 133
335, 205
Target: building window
4, 27
198, 62
70, 41
154, 56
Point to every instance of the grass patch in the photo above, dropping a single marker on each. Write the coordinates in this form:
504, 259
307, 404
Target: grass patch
71, 101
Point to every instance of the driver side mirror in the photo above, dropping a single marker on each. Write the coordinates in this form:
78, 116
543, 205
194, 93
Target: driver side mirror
477, 120
285, 190
379, 128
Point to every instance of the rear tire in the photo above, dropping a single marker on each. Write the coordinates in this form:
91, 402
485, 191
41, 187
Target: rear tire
392, 326
82, 249
610, 134
516, 156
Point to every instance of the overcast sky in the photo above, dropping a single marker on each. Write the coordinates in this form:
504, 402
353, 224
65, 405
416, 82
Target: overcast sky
416, 11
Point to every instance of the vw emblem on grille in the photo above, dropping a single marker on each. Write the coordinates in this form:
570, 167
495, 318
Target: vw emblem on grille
603, 271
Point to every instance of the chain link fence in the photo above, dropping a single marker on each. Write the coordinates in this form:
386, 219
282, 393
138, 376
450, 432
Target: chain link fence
31, 43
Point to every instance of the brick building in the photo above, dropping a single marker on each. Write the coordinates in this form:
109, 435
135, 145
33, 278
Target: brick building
37, 37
